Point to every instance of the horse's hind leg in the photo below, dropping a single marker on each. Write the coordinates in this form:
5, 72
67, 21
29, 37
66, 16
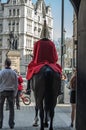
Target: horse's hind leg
36, 117
51, 119
36, 113
41, 118
45, 119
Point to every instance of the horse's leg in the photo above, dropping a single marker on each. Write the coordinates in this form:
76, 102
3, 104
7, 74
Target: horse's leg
36, 117
51, 119
45, 119
36, 114
41, 117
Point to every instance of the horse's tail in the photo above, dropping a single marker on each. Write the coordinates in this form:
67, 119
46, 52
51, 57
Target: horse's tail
49, 75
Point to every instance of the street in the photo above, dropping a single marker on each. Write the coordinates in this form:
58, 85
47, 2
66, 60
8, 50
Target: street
25, 116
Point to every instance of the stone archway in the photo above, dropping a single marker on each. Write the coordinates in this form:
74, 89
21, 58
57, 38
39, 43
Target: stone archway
76, 4
80, 9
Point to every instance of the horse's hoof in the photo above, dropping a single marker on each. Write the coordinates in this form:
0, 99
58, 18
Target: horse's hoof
46, 125
41, 128
35, 124
50, 128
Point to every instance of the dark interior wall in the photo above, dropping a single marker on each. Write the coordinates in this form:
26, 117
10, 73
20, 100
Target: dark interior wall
80, 9
81, 82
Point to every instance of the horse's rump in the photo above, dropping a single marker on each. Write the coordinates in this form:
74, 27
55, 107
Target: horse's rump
46, 85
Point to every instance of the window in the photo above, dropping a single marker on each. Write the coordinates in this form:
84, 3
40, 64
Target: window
39, 7
17, 24
9, 26
13, 12
39, 31
38, 18
29, 26
17, 12
35, 28
29, 13
10, 13
0, 42
0, 27
28, 49
13, 26
13, 22
14, 1
49, 21
49, 12
29, 43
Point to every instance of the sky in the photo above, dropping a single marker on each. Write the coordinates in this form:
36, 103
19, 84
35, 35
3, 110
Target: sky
56, 13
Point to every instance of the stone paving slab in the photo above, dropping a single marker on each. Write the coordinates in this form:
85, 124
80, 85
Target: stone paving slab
25, 116
34, 128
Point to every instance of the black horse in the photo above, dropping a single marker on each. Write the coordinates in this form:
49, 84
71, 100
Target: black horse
46, 87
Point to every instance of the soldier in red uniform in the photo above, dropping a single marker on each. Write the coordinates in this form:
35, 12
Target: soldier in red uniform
44, 53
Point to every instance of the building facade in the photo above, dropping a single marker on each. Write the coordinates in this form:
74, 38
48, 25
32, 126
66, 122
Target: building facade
21, 22
75, 40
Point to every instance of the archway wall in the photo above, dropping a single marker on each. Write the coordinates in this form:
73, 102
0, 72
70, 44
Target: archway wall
80, 9
76, 4
81, 82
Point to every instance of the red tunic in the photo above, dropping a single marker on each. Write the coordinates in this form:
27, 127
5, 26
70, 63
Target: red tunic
44, 54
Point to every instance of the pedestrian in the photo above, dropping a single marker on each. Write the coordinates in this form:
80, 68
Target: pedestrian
63, 84
73, 86
20, 88
8, 90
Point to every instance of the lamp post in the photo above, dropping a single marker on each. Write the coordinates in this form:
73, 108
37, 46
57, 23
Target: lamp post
64, 50
62, 32
61, 98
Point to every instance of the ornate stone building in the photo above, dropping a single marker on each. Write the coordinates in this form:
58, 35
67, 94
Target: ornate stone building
71, 47
21, 23
74, 40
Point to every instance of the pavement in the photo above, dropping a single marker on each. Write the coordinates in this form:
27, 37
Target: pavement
25, 116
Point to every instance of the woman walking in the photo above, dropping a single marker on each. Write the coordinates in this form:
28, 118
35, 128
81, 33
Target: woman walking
73, 86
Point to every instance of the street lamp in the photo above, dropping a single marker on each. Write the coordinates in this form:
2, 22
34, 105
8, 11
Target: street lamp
62, 32
61, 98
